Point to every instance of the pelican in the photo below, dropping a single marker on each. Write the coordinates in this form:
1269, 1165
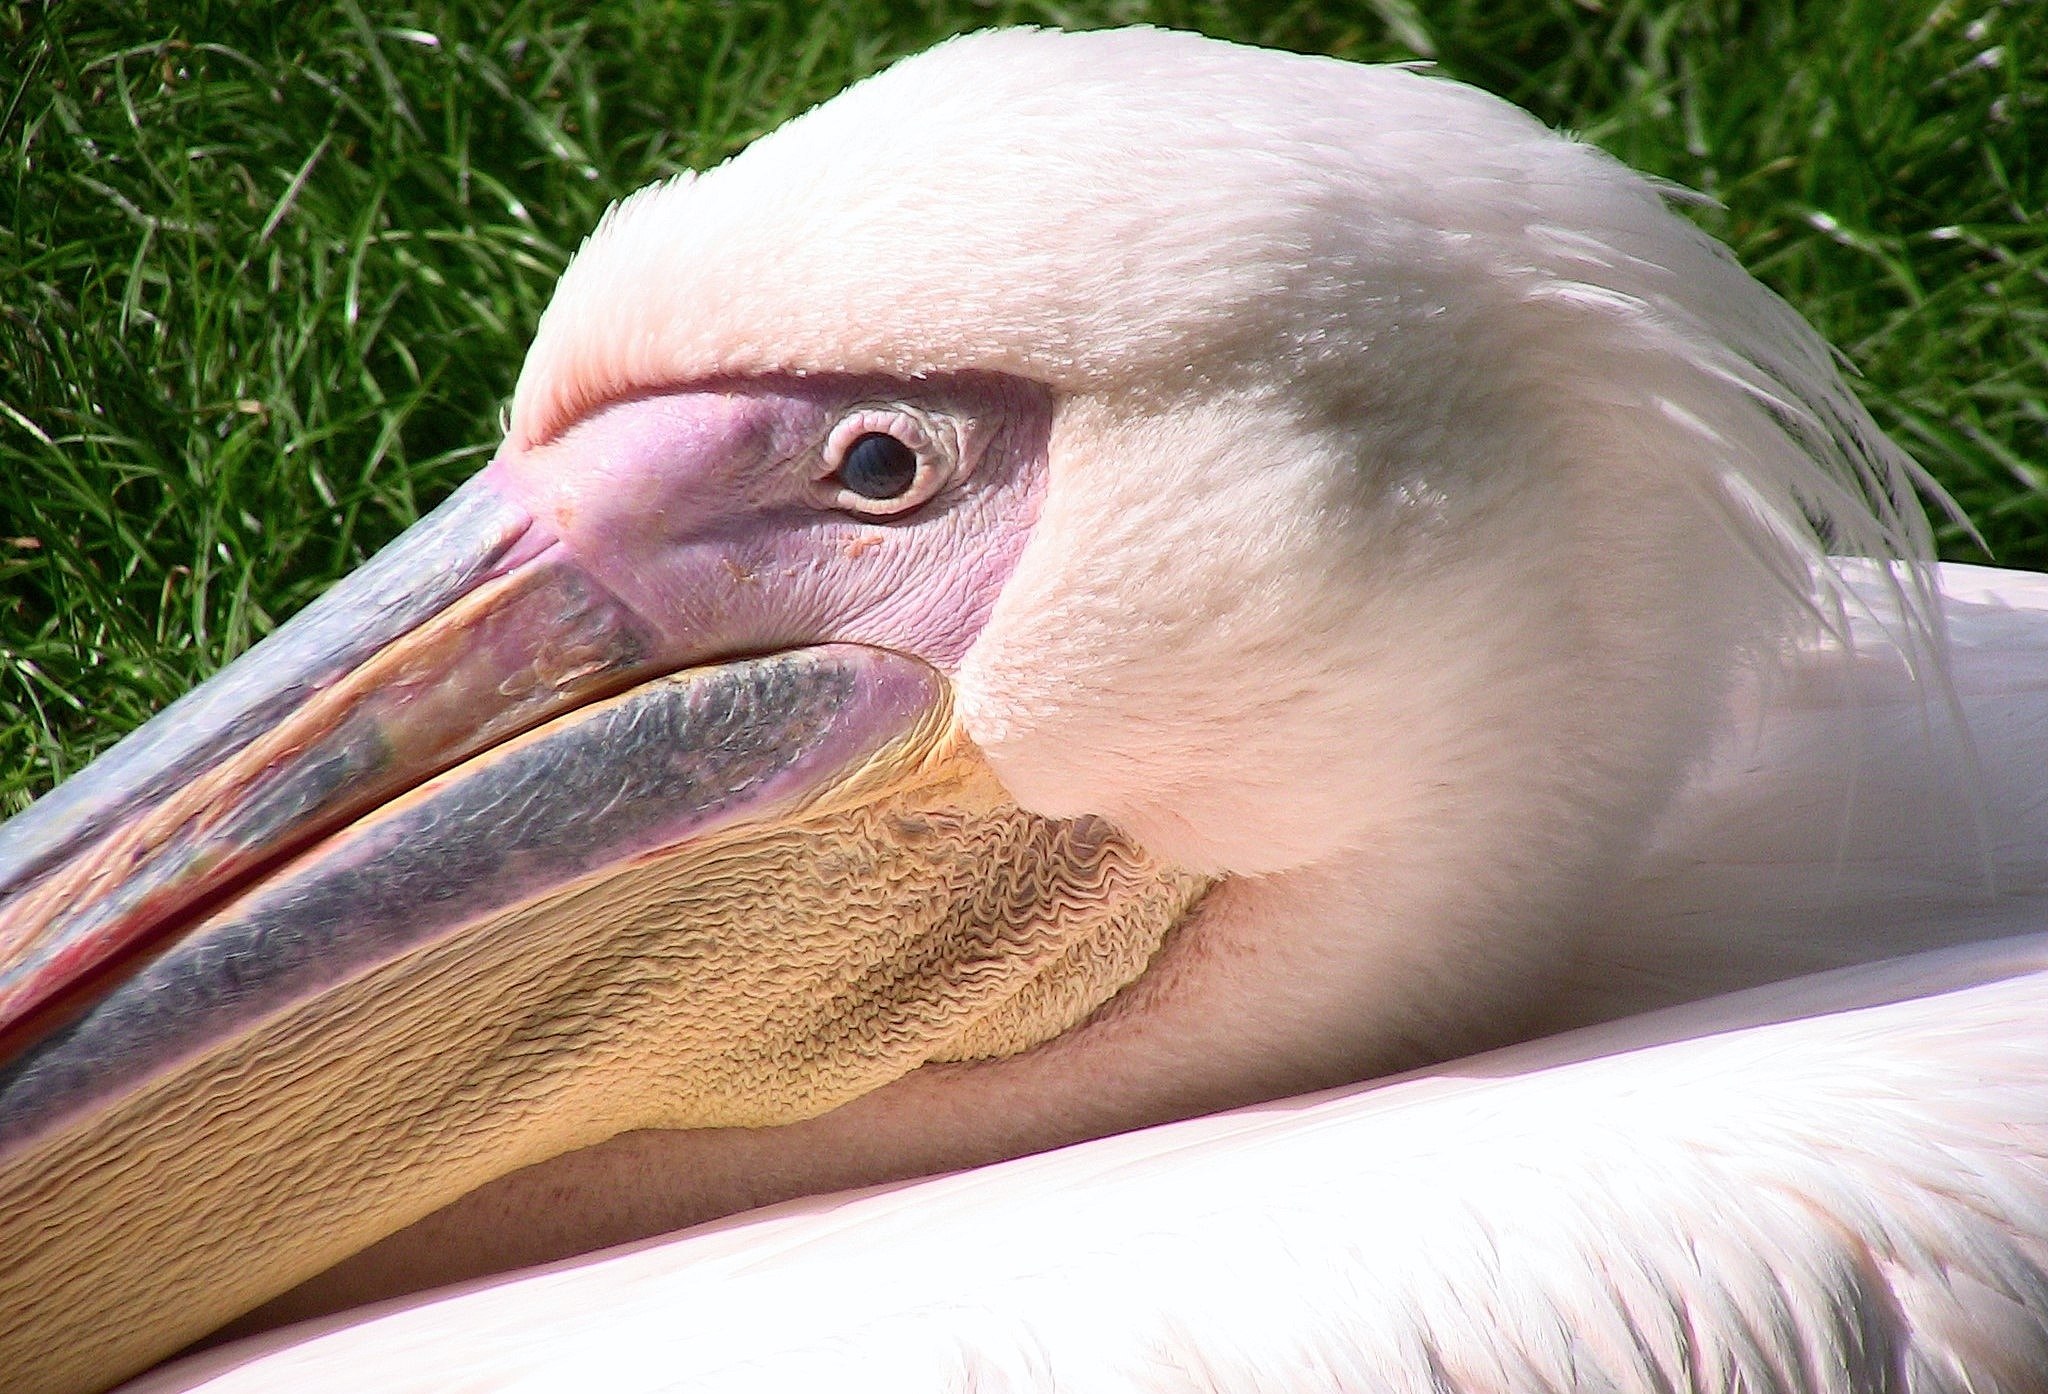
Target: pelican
1092, 580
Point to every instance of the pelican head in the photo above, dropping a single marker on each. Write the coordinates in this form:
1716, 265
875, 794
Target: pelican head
1090, 578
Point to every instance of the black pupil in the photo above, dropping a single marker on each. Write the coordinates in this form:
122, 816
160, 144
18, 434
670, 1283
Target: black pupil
878, 466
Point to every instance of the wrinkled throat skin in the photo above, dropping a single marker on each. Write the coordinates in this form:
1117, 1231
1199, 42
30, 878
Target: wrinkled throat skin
735, 896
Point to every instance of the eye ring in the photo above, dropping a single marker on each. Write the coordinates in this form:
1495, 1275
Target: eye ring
884, 461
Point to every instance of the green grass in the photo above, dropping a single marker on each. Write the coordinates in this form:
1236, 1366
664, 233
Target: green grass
266, 272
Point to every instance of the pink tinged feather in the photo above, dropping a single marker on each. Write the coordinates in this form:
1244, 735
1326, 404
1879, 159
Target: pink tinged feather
1805, 1187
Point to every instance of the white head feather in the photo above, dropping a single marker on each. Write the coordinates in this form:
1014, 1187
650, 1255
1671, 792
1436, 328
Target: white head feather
1419, 484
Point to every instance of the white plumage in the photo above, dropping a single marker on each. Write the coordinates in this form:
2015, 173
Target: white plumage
1833, 1184
1429, 521
1725, 1213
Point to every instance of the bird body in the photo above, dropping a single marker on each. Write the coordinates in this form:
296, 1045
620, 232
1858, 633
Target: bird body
1830, 1186
1091, 580
1832, 1181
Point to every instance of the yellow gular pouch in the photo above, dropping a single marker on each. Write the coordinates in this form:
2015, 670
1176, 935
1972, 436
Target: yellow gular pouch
908, 913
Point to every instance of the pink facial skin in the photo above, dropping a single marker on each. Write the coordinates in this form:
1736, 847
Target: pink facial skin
712, 511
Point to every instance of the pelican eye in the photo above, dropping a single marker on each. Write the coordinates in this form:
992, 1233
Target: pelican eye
884, 461
878, 466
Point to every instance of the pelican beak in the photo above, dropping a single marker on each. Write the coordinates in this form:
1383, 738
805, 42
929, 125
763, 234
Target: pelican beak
466, 867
